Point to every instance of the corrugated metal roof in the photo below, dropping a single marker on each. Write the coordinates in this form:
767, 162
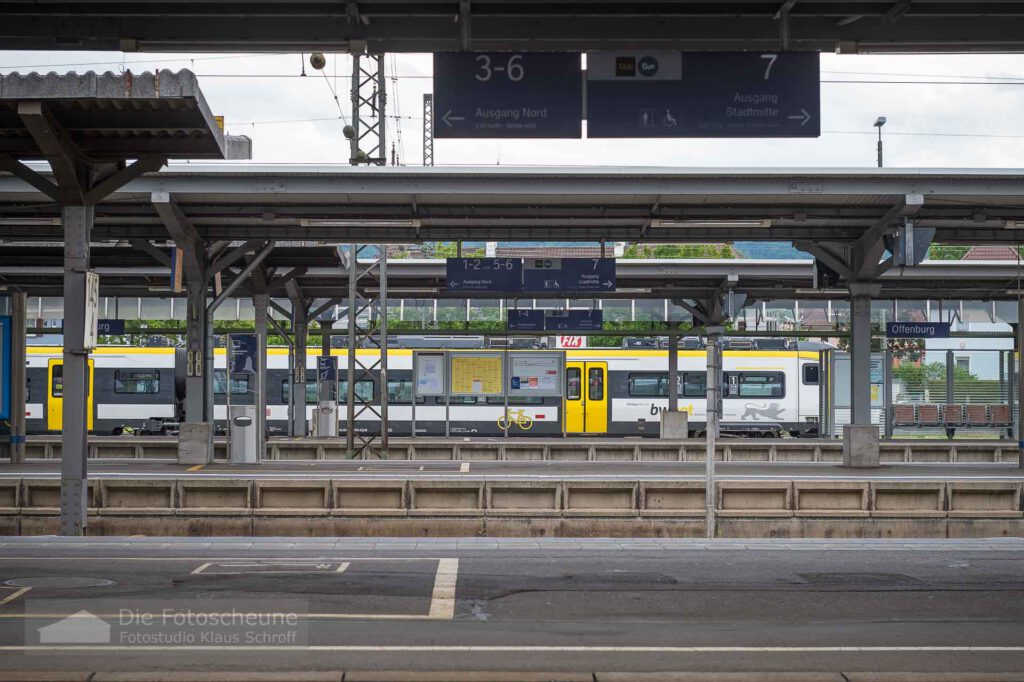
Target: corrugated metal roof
111, 116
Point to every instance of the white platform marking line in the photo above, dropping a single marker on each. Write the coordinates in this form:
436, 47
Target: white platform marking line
343, 566
426, 648
442, 599
14, 595
464, 468
202, 568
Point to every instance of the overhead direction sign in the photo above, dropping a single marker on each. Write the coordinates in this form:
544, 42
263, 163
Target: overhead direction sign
508, 94
573, 320
703, 94
917, 330
484, 274
568, 274
525, 320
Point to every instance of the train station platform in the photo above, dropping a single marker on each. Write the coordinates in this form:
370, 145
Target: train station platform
534, 499
618, 449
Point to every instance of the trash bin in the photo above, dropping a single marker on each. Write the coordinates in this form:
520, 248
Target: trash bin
326, 419
243, 441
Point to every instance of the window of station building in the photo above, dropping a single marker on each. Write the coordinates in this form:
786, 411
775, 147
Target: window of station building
136, 382
400, 392
811, 374
755, 385
572, 383
239, 383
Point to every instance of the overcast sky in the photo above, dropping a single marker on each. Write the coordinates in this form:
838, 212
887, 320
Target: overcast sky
968, 125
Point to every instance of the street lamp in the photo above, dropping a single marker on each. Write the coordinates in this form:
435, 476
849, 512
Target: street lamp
879, 122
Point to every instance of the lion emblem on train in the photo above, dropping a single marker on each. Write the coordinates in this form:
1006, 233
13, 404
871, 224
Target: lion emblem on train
757, 411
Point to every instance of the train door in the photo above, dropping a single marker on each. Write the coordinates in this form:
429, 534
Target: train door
586, 397
55, 396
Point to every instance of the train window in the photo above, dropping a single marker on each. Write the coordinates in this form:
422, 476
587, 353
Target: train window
457, 400
28, 390
695, 384
755, 385
515, 400
134, 381
400, 392
364, 390
811, 374
648, 386
57, 389
310, 391
239, 383
595, 384
572, 383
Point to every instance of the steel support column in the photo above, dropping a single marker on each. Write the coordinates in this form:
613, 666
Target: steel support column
300, 327
260, 303
860, 353
197, 405
78, 221
714, 416
369, 334
19, 384
673, 367
1020, 382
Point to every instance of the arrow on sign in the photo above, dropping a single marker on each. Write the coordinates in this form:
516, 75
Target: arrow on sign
448, 118
606, 284
802, 115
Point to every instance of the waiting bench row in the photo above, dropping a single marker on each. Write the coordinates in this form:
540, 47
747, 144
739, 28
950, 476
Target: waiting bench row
996, 415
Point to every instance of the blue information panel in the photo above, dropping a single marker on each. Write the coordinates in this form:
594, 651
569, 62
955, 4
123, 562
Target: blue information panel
526, 320
568, 274
243, 349
110, 327
327, 368
703, 94
508, 94
484, 274
917, 330
573, 321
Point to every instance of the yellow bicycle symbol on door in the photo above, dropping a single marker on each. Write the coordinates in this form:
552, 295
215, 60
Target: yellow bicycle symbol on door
517, 417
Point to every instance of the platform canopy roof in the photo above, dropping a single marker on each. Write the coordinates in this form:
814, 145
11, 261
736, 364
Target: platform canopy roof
106, 116
128, 271
514, 25
342, 204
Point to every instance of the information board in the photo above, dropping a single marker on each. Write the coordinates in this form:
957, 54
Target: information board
476, 373
327, 368
573, 320
568, 274
525, 320
484, 274
5, 367
429, 374
703, 94
508, 94
243, 349
535, 374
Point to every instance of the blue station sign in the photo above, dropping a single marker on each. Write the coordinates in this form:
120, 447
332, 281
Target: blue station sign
327, 368
484, 274
526, 320
573, 320
917, 330
110, 327
703, 94
551, 275
508, 94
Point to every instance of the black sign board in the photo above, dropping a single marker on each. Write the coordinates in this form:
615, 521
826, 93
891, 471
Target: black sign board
484, 274
568, 274
508, 94
703, 94
243, 349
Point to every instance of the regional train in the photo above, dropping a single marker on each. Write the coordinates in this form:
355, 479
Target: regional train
770, 390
